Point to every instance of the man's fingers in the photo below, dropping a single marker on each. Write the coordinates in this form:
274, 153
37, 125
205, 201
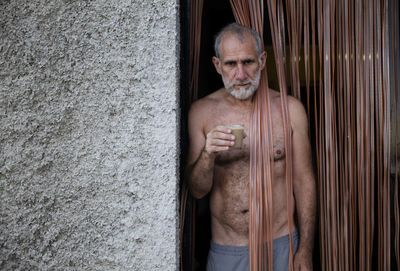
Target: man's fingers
219, 139
221, 132
222, 143
224, 136
222, 129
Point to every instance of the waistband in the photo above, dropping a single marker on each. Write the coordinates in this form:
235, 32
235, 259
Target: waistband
239, 250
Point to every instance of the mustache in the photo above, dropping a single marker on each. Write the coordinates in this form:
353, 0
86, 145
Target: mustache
245, 82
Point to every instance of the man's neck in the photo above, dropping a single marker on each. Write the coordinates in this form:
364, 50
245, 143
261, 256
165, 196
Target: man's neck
238, 102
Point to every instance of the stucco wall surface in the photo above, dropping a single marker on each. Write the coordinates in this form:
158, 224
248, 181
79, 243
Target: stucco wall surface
88, 139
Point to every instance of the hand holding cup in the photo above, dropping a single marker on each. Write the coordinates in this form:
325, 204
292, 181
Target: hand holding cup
223, 138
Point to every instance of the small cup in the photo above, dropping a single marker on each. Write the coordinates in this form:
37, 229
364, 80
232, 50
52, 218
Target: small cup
237, 131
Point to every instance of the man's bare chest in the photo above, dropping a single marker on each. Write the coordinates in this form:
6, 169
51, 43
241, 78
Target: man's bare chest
244, 119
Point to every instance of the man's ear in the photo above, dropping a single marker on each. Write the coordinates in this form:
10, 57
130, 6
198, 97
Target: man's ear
263, 59
216, 63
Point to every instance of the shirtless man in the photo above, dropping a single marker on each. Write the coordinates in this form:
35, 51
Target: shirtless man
224, 173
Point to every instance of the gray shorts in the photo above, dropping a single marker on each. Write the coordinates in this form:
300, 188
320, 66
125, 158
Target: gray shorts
230, 258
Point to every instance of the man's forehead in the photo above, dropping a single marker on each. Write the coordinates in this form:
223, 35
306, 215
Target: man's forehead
238, 37
232, 44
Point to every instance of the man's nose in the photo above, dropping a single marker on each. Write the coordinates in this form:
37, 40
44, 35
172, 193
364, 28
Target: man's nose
241, 73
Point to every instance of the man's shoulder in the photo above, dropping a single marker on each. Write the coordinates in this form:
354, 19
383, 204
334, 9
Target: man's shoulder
207, 103
296, 106
204, 109
293, 103
297, 112
296, 109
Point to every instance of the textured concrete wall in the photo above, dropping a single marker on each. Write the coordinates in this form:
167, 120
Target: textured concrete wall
88, 139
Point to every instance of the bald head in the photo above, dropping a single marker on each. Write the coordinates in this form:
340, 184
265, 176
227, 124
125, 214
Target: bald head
242, 33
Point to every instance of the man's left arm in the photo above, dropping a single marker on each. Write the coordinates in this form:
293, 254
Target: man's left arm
303, 185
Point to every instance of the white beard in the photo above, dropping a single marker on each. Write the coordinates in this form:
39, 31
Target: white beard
242, 93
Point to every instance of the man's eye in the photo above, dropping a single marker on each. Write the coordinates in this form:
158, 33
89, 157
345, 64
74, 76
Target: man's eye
248, 61
230, 63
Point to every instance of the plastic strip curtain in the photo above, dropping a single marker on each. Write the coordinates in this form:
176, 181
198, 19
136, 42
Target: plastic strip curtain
352, 126
250, 13
196, 13
395, 117
352, 117
354, 134
396, 113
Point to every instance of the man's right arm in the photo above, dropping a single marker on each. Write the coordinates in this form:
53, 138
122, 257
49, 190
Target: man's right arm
200, 174
202, 150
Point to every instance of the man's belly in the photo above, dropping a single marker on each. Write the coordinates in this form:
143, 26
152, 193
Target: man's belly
229, 219
229, 206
